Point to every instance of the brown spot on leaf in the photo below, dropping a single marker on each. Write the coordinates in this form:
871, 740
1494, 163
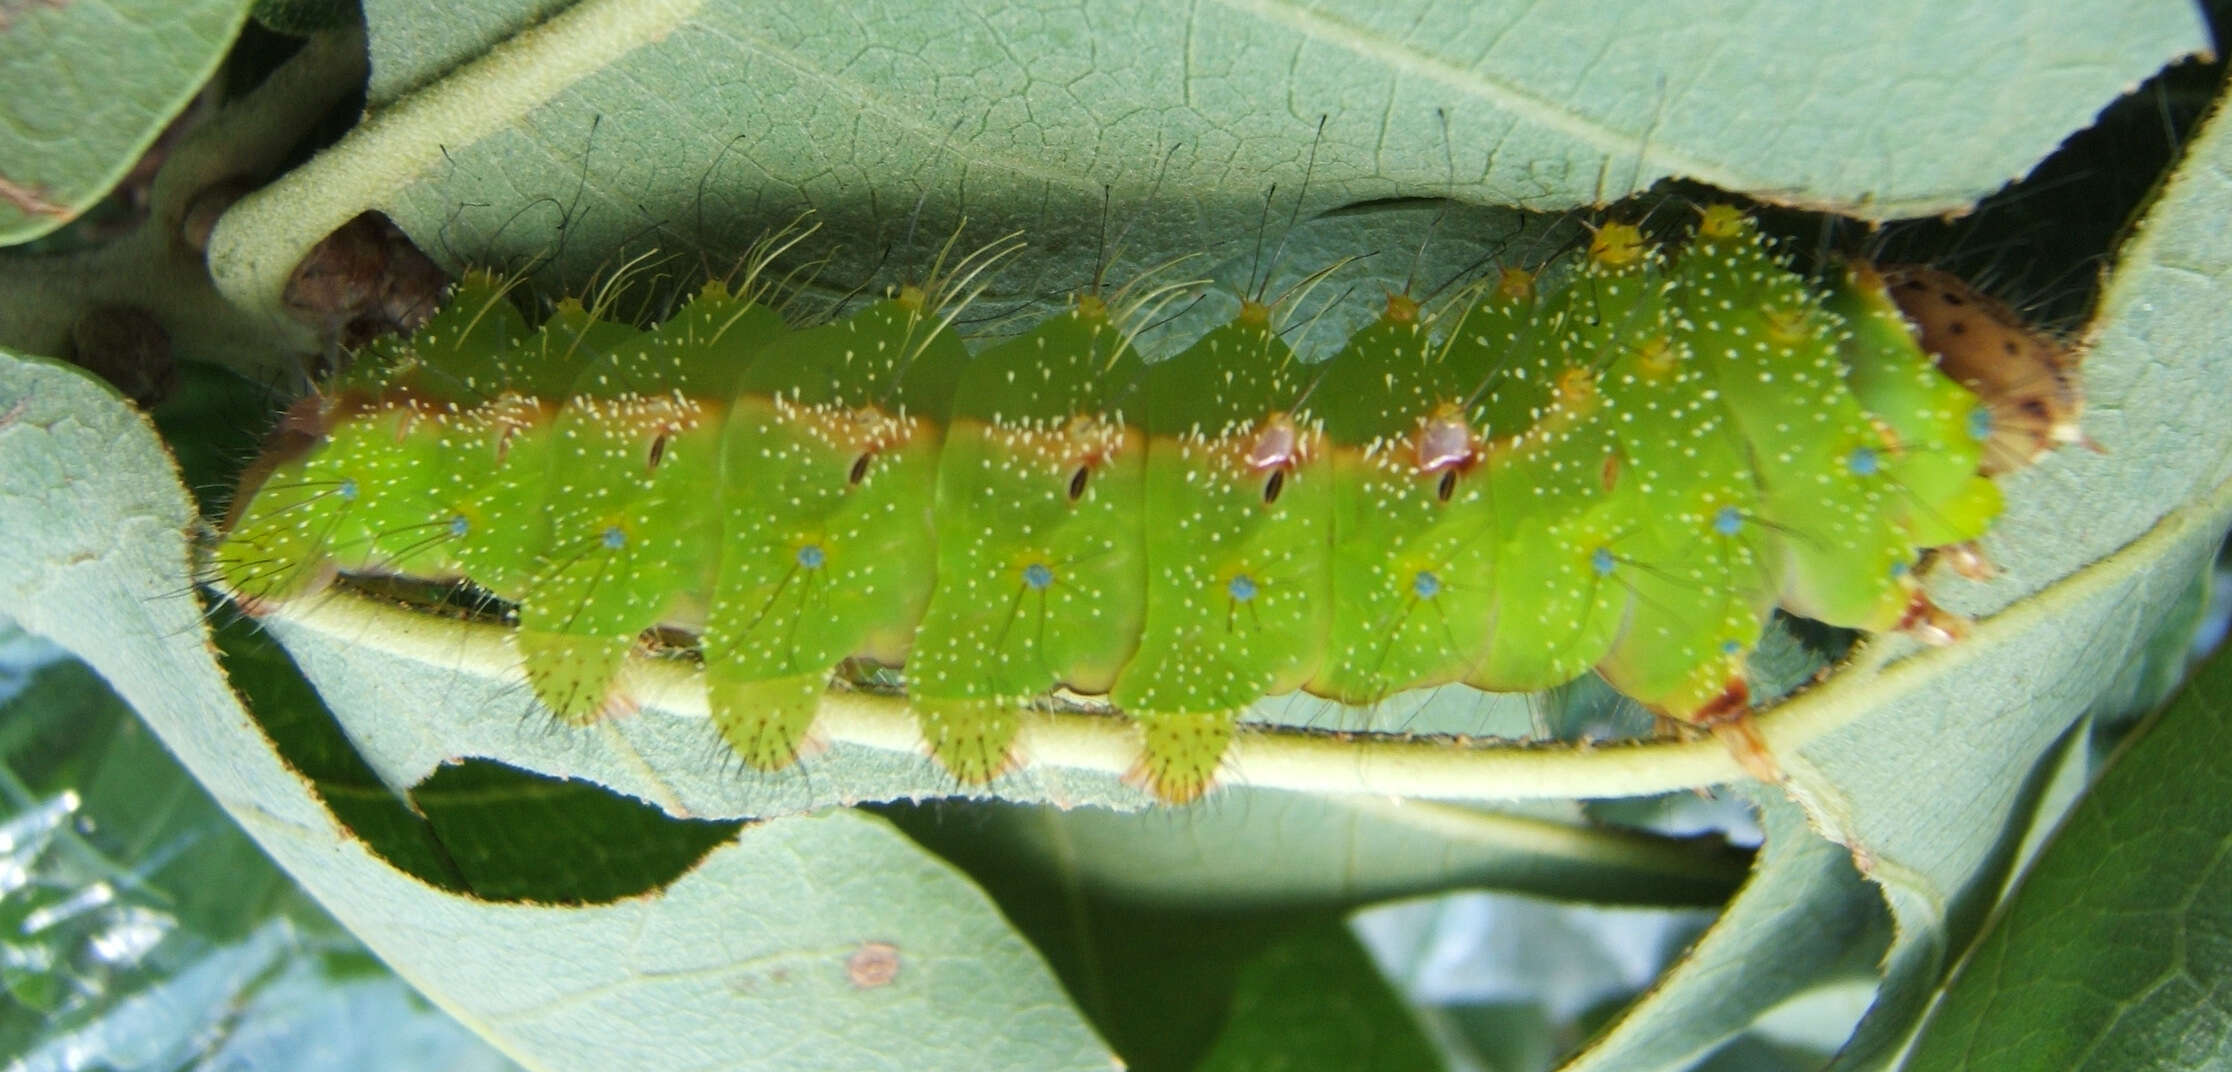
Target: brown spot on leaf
29, 200
872, 965
9, 9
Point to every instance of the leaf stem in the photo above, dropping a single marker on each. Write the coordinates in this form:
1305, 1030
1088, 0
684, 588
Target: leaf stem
256, 245
1882, 672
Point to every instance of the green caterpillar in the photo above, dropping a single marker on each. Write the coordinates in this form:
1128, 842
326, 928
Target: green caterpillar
1625, 472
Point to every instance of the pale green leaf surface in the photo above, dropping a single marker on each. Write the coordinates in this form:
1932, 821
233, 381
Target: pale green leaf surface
1830, 105
1804, 918
2115, 952
85, 88
743, 960
419, 40
691, 129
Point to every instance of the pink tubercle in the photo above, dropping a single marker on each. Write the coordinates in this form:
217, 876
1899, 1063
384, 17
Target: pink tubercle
1445, 442
1277, 444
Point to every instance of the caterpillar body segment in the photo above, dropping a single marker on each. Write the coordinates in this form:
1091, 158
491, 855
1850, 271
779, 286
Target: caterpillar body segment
828, 471
1548, 478
1235, 528
1819, 458
607, 551
1688, 555
1937, 430
1039, 551
1411, 597
1626, 471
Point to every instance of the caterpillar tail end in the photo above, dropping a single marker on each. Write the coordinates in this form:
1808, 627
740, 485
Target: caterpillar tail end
1183, 753
264, 561
259, 589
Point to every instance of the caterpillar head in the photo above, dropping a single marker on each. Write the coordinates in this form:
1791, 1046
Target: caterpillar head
2026, 377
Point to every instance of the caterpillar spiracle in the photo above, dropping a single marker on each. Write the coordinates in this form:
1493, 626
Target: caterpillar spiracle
1626, 470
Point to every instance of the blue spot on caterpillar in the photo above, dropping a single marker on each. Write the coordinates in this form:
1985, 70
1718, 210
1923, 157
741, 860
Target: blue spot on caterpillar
1507, 492
1426, 585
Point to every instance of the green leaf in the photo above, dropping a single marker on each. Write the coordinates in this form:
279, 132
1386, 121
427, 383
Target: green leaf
1806, 918
1156, 920
154, 268
804, 943
300, 729
622, 125
2116, 952
477, 827
1157, 979
1316, 1001
2027, 673
527, 838
85, 88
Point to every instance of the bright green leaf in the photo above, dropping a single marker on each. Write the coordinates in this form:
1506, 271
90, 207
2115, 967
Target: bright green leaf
1316, 1001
